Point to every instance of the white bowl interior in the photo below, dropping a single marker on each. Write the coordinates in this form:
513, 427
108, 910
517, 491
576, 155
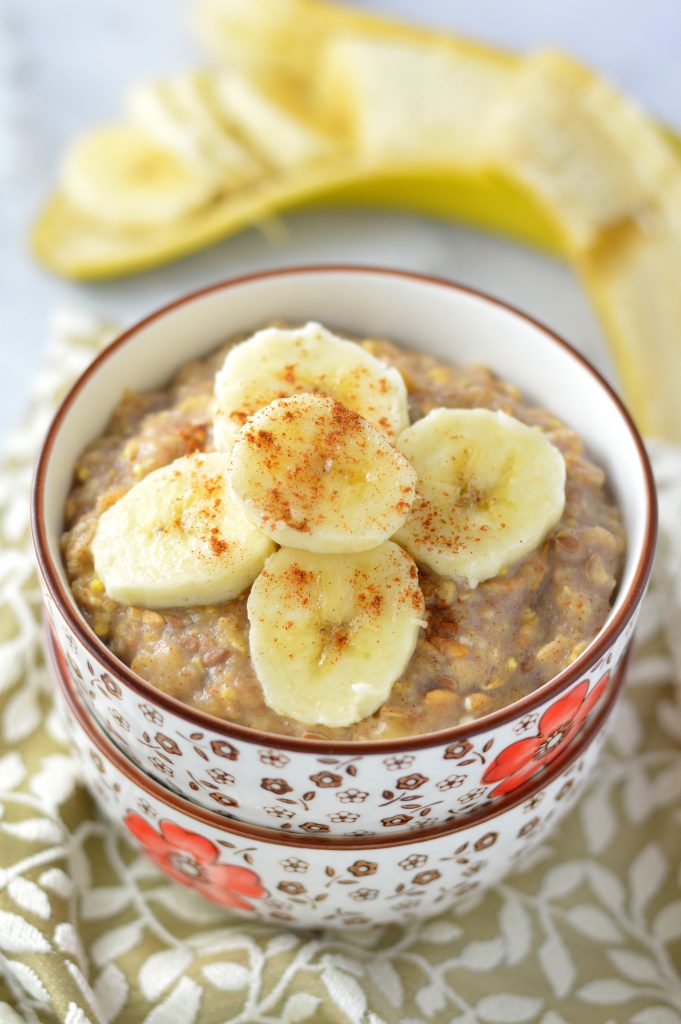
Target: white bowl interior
453, 325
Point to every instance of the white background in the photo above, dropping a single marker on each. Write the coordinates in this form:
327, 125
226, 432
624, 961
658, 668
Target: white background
65, 64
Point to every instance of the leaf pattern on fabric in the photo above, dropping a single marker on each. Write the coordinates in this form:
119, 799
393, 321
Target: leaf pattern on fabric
588, 928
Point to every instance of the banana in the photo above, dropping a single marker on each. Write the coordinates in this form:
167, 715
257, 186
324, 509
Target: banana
177, 538
490, 489
180, 114
282, 139
543, 150
312, 474
276, 363
121, 177
329, 636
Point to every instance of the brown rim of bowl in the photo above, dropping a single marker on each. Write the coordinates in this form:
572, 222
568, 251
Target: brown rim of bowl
596, 649
491, 810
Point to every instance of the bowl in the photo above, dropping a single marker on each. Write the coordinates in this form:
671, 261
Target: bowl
316, 786
312, 881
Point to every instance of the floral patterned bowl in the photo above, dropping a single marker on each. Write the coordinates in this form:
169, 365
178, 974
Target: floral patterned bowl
314, 786
316, 881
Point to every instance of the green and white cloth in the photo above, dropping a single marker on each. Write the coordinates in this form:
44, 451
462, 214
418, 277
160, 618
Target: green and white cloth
588, 930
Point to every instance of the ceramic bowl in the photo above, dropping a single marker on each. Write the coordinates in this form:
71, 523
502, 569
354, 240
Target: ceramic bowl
310, 881
316, 786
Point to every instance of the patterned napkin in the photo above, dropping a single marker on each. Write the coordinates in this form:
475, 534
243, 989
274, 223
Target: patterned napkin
587, 930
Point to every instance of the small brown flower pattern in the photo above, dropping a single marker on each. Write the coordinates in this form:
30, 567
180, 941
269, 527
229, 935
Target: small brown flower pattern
398, 762
326, 780
421, 823
426, 877
343, 817
121, 722
151, 714
533, 802
111, 686
489, 839
455, 751
280, 812
451, 782
314, 827
294, 864
411, 781
168, 744
223, 799
161, 766
471, 797
525, 724
364, 894
395, 820
291, 888
274, 758
278, 786
361, 868
221, 777
352, 796
221, 748
529, 827
414, 861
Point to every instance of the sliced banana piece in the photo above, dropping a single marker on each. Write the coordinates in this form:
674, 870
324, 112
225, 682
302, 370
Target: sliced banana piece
329, 636
120, 176
312, 474
277, 363
179, 114
490, 489
411, 100
284, 140
177, 538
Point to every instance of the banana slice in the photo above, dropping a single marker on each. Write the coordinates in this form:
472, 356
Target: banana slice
120, 176
177, 538
284, 140
329, 636
179, 114
490, 489
410, 100
312, 474
277, 363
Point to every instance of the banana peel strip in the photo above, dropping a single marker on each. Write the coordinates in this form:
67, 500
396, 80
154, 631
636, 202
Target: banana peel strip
561, 160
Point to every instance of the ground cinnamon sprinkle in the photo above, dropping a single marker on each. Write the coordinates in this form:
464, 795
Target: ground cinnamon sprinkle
193, 437
217, 543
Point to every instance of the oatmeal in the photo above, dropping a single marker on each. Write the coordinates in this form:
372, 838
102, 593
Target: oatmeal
480, 648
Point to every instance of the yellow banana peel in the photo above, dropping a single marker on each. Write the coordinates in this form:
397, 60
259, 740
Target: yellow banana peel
566, 163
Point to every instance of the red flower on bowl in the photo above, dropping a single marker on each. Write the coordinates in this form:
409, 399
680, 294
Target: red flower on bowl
192, 860
557, 726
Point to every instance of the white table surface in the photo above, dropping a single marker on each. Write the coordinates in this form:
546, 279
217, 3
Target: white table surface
66, 64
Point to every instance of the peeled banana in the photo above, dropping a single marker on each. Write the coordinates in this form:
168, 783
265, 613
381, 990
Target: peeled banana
333, 105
